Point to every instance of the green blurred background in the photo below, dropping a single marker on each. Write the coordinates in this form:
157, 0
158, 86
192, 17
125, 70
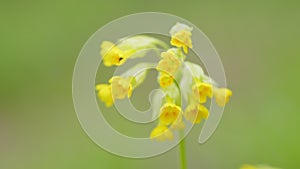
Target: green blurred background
258, 42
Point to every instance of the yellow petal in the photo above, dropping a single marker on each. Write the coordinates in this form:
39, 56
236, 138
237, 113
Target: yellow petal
161, 133
121, 87
185, 48
203, 112
169, 63
195, 113
222, 96
182, 38
202, 91
165, 80
105, 94
169, 113
111, 54
178, 124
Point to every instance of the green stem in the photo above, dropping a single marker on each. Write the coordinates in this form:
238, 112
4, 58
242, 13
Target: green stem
182, 151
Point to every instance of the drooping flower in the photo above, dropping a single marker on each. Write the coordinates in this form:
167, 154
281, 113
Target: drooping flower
169, 113
165, 80
202, 90
168, 66
121, 87
111, 54
105, 94
128, 47
169, 63
181, 36
222, 95
118, 88
195, 113
161, 133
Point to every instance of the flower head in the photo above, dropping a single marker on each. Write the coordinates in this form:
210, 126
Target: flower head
121, 87
111, 54
181, 36
193, 87
105, 94
161, 133
169, 113
195, 112
222, 95
202, 91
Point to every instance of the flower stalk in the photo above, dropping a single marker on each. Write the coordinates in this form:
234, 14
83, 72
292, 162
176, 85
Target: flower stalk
182, 151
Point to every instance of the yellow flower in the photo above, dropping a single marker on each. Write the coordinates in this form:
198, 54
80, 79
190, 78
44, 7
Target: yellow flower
194, 113
169, 113
128, 47
105, 94
248, 167
111, 54
222, 96
118, 88
202, 91
161, 133
169, 63
181, 36
121, 87
165, 80
182, 39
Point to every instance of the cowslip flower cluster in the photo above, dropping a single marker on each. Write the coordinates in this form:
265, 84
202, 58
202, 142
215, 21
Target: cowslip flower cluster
175, 74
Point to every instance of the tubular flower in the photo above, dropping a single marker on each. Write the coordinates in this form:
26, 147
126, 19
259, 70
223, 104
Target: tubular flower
202, 91
161, 133
128, 48
194, 113
181, 36
169, 113
111, 54
105, 94
169, 63
121, 87
222, 96
165, 80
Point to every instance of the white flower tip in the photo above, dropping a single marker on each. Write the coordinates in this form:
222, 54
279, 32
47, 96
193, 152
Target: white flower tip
178, 27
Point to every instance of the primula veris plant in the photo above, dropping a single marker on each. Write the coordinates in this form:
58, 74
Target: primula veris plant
177, 78
174, 74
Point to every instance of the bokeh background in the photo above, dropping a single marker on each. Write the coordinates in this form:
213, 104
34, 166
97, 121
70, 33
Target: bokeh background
258, 42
